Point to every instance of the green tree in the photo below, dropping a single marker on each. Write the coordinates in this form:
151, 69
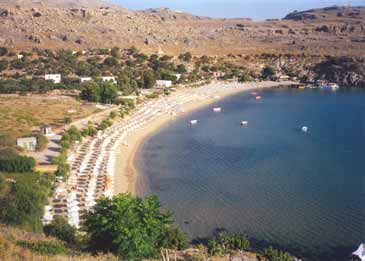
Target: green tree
59, 228
132, 228
186, 57
115, 52
3, 65
149, 80
110, 62
267, 72
22, 202
90, 91
108, 92
276, 255
3, 51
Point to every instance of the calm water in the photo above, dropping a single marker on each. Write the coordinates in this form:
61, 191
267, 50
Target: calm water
302, 191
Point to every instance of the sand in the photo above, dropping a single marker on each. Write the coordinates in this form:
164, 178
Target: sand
125, 171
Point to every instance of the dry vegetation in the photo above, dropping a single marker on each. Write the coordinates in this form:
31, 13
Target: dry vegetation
10, 249
20, 115
25, 24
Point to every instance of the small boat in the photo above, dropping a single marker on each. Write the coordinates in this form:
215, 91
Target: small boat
360, 252
301, 87
258, 97
254, 93
305, 129
244, 123
217, 109
193, 122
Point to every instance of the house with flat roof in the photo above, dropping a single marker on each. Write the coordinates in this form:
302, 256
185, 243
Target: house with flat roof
55, 78
27, 143
109, 79
85, 79
163, 84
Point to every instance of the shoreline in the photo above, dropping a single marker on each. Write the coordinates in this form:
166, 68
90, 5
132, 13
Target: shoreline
126, 173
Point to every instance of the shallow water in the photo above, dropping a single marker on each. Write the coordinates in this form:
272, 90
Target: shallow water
302, 191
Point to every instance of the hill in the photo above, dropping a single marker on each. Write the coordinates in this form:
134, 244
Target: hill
82, 24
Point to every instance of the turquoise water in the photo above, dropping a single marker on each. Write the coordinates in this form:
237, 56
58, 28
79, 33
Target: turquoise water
302, 191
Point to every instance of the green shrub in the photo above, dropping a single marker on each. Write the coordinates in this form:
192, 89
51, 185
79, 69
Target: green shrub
277, 255
61, 230
132, 228
44, 247
222, 243
15, 163
42, 142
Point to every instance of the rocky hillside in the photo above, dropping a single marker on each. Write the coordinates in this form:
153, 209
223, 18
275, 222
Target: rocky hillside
81, 24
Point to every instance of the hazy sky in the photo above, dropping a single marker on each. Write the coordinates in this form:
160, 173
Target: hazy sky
257, 9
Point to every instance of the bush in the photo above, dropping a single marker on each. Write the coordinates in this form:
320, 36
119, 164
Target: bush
15, 163
61, 230
277, 255
44, 247
267, 72
42, 142
132, 228
22, 202
3, 51
105, 124
223, 242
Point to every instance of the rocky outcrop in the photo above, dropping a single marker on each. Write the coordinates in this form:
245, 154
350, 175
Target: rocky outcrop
346, 71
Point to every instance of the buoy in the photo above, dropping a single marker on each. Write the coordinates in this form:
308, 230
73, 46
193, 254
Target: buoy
194, 122
304, 129
244, 123
217, 109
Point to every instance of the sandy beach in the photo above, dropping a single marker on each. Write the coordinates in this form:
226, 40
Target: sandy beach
125, 171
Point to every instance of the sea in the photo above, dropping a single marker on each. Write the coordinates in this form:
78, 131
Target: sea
300, 191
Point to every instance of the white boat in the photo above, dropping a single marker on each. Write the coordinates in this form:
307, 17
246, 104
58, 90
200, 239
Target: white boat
244, 123
305, 129
360, 252
194, 122
217, 109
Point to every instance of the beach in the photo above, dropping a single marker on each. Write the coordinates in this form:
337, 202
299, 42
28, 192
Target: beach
103, 166
126, 173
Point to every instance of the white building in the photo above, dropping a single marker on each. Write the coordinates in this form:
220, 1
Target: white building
109, 79
28, 143
163, 84
85, 79
178, 76
47, 131
20, 56
55, 78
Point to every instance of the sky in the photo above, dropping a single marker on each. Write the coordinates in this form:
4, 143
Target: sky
256, 9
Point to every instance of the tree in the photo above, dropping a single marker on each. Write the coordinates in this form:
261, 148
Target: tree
129, 227
108, 92
276, 255
110, 62
115, 52
22, 202
42, 142
3, 65
11, 162
90, 91
149, 80
186, 57
3, 51
223, 242
181, 68
267, 72
59, 228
